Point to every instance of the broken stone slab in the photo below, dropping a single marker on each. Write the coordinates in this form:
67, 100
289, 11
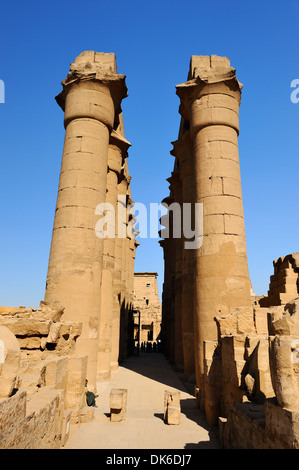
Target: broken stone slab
50, 311
56, 372
10, 356
240, 321
54, 333
62, 337
29, 342
284, 320
86, 414
16, 311
32, 382
32, 375
75, 384
284, 368
118, 404
172, 407
46, 311
261, 320
68, 334
27, 326
66, 424
282, 428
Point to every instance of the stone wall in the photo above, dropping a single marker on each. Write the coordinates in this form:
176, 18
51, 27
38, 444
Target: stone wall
254, 394
42, 380
284, 283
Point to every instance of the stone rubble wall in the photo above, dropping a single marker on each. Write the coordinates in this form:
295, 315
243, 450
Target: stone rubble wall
42, 380
251, 382
284, 283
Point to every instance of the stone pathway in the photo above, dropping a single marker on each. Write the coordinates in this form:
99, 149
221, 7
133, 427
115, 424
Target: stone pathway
146, 377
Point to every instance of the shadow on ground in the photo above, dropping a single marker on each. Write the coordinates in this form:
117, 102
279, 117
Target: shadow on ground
156, 367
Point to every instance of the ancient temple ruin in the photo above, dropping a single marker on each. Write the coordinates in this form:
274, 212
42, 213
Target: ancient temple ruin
239, 352
213, 279
92, 276
80, 331
147, 309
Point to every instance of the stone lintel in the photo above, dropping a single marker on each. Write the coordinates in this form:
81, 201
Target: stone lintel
146, 273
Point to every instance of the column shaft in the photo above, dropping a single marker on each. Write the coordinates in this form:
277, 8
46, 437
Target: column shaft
210, 101
90, 100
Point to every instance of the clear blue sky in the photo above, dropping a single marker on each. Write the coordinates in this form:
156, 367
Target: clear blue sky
153, 42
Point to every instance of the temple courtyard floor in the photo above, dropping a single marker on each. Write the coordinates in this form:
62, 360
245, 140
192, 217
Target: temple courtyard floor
145, 377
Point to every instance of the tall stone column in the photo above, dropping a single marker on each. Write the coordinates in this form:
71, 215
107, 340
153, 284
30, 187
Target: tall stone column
210, 102
118, 147
167, 297
119, 284
168, 320
124, 304
182, 150
176, 190
90, 99
105, 325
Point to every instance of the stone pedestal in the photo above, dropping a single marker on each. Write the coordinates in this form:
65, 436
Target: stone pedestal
118, 404
172, 407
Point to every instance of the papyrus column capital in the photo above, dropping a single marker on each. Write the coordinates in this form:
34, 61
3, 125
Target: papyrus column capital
175, 184
118, 152
212, 95
92, 90
182, 150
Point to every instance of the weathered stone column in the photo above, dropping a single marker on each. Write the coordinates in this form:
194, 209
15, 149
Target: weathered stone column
168, 316
124, 186
118, 147
119, 285
176, 190
105, 326
91, 97
182, 150
210, 102
166, 298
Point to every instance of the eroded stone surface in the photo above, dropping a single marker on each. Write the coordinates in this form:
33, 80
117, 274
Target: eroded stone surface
10, 356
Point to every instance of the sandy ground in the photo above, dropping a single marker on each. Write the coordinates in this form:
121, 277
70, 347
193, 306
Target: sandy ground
146, 377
